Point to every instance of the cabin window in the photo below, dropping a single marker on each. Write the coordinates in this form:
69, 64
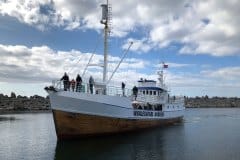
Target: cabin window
146, 92
154, 92
143, 92
150, 92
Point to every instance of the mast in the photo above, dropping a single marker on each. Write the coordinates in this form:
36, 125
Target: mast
161, 76
105, 20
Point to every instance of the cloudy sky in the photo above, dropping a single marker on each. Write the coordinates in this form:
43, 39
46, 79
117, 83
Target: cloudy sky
199, 40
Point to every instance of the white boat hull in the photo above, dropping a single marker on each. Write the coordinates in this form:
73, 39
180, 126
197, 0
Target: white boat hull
80, 114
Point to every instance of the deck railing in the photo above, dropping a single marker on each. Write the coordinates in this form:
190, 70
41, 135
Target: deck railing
97, 89
176, 99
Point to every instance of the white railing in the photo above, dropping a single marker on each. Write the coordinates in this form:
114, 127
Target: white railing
115, 91
57, 84
176, 99
97, 89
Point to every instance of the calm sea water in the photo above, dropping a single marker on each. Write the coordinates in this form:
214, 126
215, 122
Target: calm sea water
204, 134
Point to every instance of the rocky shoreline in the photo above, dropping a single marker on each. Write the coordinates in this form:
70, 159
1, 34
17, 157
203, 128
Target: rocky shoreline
20, 104
214, 102
36, 104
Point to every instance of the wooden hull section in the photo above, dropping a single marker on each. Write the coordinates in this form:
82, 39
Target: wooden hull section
74, 125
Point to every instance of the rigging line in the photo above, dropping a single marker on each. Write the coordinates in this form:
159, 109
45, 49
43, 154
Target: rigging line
70, 70
90, 59
128, 66
124, 55
85, 69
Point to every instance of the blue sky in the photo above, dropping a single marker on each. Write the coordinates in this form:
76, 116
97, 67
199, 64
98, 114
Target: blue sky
199, 40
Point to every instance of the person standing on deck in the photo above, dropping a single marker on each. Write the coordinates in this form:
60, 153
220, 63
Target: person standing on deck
123, 89
65, 80
135, 92
72, 83
79, 83
91, 82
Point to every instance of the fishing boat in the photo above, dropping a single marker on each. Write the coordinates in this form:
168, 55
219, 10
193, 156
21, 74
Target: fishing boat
109, 109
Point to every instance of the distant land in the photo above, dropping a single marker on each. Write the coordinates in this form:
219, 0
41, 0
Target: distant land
15, 104
213, 102
37, 103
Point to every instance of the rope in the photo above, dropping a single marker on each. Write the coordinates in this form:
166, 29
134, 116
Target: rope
90, 59
71, 69
124, 55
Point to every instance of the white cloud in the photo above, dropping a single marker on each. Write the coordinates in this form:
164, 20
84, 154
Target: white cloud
227, 73
220, 37
212, 83
20, 64
42, 64
139, 46
203, 27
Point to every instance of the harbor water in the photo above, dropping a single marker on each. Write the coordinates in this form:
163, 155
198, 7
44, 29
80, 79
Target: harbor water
203, 134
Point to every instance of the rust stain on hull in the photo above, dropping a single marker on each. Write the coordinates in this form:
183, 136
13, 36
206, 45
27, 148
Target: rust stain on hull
73, 125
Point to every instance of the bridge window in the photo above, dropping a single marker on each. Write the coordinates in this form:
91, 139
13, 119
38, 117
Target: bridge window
150, 92
143, 92
146, 92
154, 92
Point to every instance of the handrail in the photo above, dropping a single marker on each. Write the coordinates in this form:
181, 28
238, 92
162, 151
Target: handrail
115, 91
85, 88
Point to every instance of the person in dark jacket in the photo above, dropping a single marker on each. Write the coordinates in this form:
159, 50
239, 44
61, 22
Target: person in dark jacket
91, 82
123, 88
65, 80
79, 83
135, 92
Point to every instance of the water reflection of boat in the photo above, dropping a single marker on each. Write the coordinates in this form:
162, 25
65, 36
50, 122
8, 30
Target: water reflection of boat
151, 144
109, 110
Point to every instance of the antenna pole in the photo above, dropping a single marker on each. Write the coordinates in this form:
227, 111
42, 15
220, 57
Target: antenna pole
105, 20
105, 52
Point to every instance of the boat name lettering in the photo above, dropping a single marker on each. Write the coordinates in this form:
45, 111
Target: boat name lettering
148, 113
159, 114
